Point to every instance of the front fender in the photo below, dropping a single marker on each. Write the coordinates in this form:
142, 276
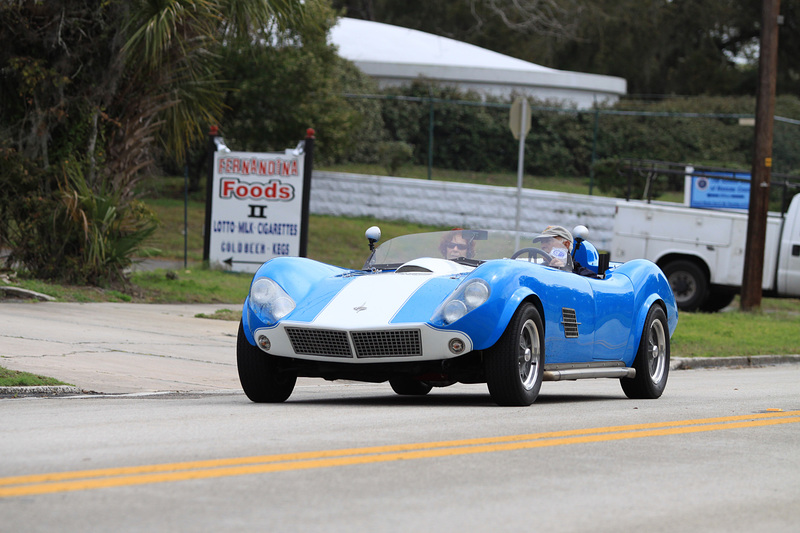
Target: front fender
511, 282
298, 277
486, 324
246, 321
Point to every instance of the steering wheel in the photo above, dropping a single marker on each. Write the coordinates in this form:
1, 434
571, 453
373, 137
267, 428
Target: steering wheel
533, 252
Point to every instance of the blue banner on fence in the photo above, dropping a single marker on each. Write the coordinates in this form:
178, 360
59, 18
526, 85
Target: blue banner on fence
708, 192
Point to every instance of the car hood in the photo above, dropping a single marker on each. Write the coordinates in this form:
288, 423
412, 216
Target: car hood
373, 300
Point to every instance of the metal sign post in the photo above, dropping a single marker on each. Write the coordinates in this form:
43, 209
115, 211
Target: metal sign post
519, 121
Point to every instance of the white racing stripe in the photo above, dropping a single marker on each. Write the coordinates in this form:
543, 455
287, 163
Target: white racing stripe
370, 301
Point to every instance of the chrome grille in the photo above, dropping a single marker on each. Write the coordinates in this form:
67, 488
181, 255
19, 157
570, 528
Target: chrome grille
387, 343
327, 342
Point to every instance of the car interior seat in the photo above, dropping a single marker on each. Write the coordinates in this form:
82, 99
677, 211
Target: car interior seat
586, 254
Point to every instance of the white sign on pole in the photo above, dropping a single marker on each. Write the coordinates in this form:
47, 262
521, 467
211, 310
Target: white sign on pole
256, 208
519, 118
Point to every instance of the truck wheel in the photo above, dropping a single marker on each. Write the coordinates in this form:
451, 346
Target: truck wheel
515, 364
689, 284
652, 359
718, 298
260, 373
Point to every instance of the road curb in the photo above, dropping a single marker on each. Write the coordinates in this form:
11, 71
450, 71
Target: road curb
44, 390
688, 363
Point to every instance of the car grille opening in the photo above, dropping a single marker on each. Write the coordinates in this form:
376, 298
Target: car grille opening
319, 342
367, 344
388, 343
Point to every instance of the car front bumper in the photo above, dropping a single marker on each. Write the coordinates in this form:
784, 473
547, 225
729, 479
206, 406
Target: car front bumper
397, 343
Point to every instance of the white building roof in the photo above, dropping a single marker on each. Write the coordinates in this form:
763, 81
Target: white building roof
396, 56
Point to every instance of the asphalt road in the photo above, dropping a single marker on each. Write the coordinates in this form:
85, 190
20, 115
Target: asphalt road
718, 452
713, 454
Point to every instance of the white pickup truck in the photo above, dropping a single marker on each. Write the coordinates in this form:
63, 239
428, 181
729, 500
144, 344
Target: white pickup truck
701, 251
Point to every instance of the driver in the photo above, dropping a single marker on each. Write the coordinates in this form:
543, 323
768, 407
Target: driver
557, 242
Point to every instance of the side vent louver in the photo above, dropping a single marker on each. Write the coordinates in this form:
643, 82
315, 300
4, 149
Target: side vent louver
570, 322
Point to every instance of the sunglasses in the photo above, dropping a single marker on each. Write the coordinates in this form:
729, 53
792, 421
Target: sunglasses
457, 245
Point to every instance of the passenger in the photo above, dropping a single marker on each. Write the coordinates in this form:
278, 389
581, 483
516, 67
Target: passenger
557, 242
455, 245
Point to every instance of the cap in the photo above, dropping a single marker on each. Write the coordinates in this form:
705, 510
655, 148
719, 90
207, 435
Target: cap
554, 231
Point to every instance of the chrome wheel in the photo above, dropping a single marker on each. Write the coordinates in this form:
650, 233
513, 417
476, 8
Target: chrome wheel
656, 351
528, 355
652, 358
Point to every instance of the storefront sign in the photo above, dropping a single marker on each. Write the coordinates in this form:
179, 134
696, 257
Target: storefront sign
256, 208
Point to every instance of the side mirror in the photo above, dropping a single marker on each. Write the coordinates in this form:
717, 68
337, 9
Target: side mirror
580, 232
373, 235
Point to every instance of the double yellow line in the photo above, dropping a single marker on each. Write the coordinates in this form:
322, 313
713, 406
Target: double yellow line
141, 475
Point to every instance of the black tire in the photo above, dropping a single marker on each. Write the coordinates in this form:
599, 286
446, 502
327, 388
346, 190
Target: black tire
515, 364
718, 298
260, 373
652, 359
689, 284
408, 386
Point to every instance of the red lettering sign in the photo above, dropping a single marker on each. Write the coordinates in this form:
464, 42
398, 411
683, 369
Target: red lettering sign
258, 167
242, 190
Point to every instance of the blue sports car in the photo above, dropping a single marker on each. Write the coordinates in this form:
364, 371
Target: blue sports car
462, 306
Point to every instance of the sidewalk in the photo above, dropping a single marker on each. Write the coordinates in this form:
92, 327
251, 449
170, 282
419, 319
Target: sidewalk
121, 347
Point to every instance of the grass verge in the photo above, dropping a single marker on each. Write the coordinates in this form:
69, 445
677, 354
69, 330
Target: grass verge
774, 330
13, 378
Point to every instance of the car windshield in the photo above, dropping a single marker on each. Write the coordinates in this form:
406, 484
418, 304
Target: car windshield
470, 247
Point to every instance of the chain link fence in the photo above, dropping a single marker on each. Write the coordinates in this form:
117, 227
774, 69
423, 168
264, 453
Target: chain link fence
474, 135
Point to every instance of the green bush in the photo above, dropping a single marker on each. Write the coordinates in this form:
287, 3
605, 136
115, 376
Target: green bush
57, 226
394, 155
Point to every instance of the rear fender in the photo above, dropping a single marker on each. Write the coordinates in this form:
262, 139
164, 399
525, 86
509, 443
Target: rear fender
641, 317
652, 288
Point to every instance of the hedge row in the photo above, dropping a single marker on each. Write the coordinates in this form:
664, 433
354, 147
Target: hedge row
472, 134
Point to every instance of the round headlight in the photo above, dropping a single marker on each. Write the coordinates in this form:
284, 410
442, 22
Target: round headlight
282, 307
268, 299
454, 310
263, 290
475, 294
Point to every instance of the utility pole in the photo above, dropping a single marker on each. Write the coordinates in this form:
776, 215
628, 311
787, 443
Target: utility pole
762, 158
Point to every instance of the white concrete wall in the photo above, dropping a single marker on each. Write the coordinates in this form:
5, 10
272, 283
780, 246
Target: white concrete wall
466, 205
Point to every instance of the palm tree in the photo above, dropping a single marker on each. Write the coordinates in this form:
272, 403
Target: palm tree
90, 92
169, 86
